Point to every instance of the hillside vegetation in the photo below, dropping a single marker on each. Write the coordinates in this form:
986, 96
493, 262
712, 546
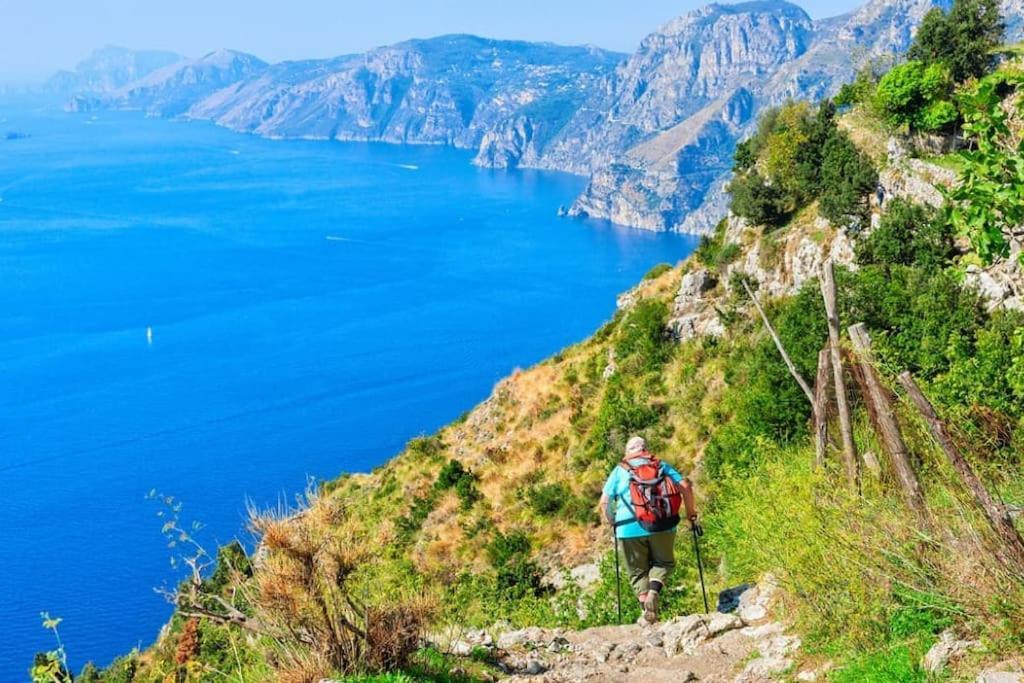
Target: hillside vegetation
480, 524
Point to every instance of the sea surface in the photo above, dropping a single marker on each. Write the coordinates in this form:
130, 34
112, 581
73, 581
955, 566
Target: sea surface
220, 318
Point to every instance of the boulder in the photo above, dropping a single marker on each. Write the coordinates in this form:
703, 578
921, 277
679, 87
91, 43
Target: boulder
683, 634
999, 677
530, 637
696, 283
948, 647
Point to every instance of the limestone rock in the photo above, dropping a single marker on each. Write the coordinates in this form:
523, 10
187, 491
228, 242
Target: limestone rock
999, 677
683, 634
695, 283
948, 647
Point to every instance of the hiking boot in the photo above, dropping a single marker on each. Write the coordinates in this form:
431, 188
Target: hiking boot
651, 607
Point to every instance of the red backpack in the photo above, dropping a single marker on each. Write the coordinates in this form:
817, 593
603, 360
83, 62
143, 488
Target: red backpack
654, 497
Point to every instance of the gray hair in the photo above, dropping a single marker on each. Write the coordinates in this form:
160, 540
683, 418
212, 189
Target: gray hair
636, 445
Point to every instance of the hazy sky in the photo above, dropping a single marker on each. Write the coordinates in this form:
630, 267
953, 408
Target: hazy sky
40, 36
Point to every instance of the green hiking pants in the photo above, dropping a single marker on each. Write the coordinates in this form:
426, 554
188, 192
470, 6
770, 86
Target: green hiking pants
648, 558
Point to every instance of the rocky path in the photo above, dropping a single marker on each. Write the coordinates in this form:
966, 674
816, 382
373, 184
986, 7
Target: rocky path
742, 646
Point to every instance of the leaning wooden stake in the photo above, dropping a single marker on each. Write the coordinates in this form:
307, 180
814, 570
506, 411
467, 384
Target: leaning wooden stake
997, 514
889, 429
820, 407
828, 293
782, 349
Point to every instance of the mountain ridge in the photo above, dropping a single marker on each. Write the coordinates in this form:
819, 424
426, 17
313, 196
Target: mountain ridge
654, 131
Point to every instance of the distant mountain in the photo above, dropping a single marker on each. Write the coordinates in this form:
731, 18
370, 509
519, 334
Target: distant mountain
108, 69
173, 89
665, 126
456, 90
655, 132
728, 63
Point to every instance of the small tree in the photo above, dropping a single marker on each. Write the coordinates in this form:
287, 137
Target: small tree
963, 40
847, 178
758, 202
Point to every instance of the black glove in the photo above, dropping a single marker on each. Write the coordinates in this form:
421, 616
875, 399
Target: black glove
698, 530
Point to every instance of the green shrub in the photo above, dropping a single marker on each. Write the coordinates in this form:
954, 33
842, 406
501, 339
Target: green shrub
990, 371
657, 271
468, 493
451, 474
622, 412
910, 235
454, 476
429, 447
895, 665
768, 405
517, 576
922, 319
409, 525
644, 343
548, 499
911, 93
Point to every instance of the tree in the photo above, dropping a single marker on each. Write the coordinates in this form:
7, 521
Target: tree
963, 39
933, 40
758, 202
847, 178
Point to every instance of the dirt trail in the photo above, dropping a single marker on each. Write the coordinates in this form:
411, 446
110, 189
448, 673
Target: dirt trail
742, 646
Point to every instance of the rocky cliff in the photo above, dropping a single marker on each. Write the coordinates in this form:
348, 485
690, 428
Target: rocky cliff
655, 132
660, 154
454, 90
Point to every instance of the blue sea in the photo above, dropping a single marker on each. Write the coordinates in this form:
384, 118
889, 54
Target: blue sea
221, 317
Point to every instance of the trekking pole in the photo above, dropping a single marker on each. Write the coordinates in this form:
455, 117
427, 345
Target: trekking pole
618, 586
698, 532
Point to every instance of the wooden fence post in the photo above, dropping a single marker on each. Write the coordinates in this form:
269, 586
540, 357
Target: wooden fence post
997, 514
782, 349
828, 293
821, 406
889, 429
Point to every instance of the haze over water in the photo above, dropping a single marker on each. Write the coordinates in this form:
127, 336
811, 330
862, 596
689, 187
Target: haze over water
218, 317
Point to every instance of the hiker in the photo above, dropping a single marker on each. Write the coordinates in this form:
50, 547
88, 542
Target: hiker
641, 500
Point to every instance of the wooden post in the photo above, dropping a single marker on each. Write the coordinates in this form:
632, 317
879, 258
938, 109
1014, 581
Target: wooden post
889, 429
821, 406
828, 293
997, 514
782, 350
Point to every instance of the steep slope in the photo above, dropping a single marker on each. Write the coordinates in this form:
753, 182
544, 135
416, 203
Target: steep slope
108, 69
738, 60
173, 89
490, 523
